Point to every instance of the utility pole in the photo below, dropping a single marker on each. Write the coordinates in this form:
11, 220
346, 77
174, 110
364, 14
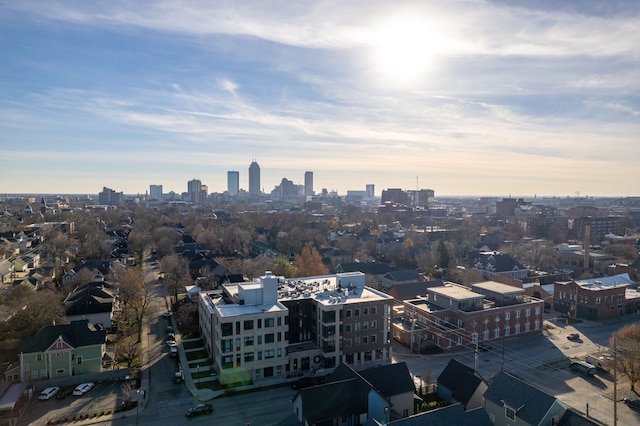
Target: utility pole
615, 381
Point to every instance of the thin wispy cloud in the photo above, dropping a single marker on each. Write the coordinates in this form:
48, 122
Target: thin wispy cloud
476, 97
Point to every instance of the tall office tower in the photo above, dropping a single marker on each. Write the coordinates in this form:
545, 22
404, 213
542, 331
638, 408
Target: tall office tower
109, 197
233, 182
308, 184
204, 192
254, 178
371, 190
155, 192
193, 190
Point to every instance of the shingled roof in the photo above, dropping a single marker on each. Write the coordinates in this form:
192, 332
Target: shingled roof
531, 404
335, 400
461, 380
76, 334
451, 415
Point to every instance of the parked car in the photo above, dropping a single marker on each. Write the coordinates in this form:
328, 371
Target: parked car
633, 402
64, 392
171, 343
169, 329
48, 393
584, 368
166, 315
199, 409
306, 382
171, 336
173, 351
83, 388
573, 336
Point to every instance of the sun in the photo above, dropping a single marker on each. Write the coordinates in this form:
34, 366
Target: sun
404, 50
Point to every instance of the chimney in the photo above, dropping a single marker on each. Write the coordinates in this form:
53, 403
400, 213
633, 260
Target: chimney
587, 243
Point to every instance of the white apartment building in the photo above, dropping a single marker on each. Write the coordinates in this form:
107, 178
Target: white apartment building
278, 327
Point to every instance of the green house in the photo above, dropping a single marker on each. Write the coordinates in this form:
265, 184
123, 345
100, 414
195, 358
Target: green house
62, 351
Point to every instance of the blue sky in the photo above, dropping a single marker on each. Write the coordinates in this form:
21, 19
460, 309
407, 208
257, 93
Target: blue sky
465, 97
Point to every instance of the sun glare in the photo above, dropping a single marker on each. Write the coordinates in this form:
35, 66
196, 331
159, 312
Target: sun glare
403, 50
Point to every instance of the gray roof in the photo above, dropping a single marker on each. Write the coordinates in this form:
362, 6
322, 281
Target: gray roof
412, 290
390, 379
451, 415
531, 404
334, 400
77, 334
461, 380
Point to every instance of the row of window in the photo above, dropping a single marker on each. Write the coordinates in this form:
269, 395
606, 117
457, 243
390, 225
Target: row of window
365, 325
227, 345
360, 340
361, 311
507, 331
227, 328
248, 357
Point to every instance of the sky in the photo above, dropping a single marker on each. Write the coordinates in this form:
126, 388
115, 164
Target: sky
465, 97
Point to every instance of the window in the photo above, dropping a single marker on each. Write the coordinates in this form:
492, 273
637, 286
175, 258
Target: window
269, 338
517, 314
357, 327
537, 310
374, 324
357, 341
39, 357
259, 322
59, 371
507, 330
365, 325
347, 328
260, 339
373, 310
373, 338
347, 343
248, 325
279, 321
227, 361
269, 353
248, 341
357, 312
496, 332
365, 311
510, 413
527, 312
460, 323
237, 327
248, 356
507, 316
485, 335
348, 313
79, 360
227, 328
365, 340
227, 345
268, 322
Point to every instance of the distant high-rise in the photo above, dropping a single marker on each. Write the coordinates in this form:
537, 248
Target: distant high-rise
193, 191
155, 192
308, 184
233, 182
254, 178
371, 191
109, 197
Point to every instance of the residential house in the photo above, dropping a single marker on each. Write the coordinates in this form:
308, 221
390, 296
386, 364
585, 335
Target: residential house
451, 415
343, 401
373, 271
62, 351
496, 263
407, 291
407, 276
392, 381
510, 401
459, 383
94, 302
6, 271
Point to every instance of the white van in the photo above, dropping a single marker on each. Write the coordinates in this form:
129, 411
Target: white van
48, 393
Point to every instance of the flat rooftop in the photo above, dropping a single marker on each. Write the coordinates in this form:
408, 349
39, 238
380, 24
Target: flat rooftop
456, 292
497, 287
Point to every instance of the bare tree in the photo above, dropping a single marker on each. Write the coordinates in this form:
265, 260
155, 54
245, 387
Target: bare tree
176, 274
626, 343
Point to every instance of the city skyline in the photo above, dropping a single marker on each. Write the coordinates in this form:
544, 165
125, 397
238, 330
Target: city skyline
466, 97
